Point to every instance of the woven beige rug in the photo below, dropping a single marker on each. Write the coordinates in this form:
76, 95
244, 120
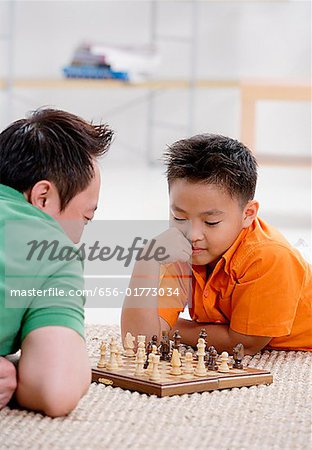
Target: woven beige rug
265, 417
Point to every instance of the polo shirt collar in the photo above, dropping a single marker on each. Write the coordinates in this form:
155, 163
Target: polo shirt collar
8, 192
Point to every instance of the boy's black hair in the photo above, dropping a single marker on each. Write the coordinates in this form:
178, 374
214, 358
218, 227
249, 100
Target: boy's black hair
214, 159
52, 145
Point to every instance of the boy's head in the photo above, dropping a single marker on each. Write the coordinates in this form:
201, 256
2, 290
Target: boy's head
50, 157
212, 181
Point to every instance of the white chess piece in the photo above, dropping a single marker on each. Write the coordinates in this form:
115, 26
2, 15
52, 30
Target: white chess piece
112, 363
188, 368
141, 341
129, 345
224, 367
155, 374
175, 363
154, 349
101, 363
200, 370
149, 369
139, 362
118, 356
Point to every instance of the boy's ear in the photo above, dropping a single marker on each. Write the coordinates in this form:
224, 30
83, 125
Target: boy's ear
250, 213
44, 196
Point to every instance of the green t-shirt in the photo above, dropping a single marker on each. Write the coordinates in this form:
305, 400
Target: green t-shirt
38, 287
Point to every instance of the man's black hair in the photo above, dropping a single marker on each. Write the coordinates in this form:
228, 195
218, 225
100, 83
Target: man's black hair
52, 145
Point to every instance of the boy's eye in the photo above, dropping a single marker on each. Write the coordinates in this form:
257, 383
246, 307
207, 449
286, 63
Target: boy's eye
212, 223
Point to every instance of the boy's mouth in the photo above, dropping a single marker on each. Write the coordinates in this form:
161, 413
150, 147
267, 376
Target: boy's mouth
197, 250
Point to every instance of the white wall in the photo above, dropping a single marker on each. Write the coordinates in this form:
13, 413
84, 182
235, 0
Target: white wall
236, 40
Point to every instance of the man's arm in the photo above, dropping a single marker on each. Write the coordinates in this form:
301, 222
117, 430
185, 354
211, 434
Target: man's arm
220, 336
7, 381
53, 372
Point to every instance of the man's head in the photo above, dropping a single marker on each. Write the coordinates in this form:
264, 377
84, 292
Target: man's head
50, 157
212, 181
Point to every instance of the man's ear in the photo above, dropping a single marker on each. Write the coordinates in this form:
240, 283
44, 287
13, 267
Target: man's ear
250, 213
44, 196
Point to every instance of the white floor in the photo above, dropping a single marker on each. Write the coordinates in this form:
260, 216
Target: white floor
139, 192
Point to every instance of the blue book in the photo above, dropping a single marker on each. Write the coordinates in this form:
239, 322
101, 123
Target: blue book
94, 72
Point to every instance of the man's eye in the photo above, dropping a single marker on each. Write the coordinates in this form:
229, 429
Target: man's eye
212, 223
178, 220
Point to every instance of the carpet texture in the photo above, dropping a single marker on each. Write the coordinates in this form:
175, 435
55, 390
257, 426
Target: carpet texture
264, 417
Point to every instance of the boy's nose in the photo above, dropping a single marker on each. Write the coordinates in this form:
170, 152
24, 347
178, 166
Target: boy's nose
196, 232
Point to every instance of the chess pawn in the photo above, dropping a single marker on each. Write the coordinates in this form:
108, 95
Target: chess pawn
129, 345
101, 363
112, 363
212, 359
175, 363
188, 367
139, 361
150, 359
200, 370
224, 363
118, 356
154, 349
155, 376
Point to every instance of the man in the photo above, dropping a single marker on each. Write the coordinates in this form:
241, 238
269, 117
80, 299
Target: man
49, 186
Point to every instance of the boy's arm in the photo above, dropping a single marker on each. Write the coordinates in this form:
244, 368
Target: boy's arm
140, 314
220, 336
53, 372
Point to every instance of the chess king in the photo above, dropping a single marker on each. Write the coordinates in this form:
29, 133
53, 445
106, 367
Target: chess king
237, 274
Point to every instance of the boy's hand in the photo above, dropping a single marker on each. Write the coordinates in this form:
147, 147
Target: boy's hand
177, 246
8, 381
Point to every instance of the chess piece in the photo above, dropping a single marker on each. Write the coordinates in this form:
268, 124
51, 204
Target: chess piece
129, 345
150, 344
212, 358
150, 358
154, 349
200, 370
238, 355
101, 363
175, 363
224, 367
203, 335
141, 341
188, 367
155, 376
164, 346
112, 363
176, 340
139, 361
118, 356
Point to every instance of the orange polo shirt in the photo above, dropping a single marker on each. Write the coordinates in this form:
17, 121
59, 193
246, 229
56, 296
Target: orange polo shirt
261, 286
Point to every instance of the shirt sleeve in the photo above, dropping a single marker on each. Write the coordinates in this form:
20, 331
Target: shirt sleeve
267, 292
174, 289
61, 303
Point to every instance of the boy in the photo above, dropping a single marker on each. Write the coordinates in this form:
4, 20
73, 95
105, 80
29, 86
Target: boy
248, 284
49, 184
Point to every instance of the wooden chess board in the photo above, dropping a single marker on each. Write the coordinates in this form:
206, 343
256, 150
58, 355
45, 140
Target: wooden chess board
168, 384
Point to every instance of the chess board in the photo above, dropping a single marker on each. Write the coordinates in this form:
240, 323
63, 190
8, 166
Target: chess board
168, 384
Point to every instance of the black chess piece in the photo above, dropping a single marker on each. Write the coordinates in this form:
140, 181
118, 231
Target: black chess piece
164, 347
176, 340
238, 355
212, 358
